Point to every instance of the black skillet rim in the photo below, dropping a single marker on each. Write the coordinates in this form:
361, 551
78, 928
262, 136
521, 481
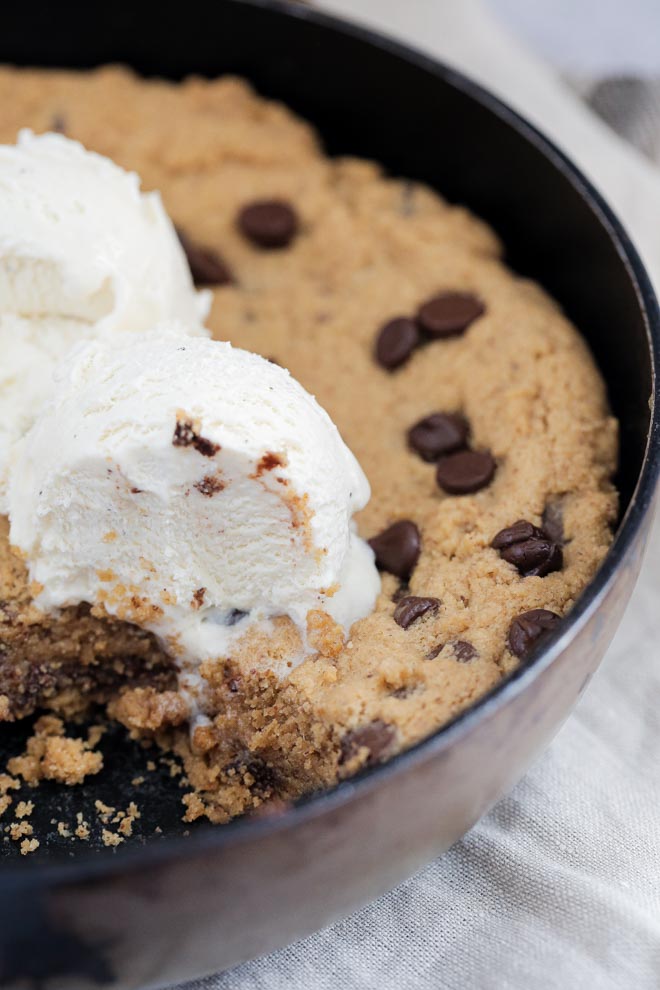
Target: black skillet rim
89, 865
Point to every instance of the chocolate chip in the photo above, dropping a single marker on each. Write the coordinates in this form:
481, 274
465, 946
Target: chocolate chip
438, 434
521, 530
465, 472
552, 521
413, 607
186, 435
448, 314
207, 267
233, 616
464, 651
396, 341
401, 592
529, 549
58, 123
432, 654
534, 558
268, 223
262, 777
529, 628
397, 548
206, 447
377, 737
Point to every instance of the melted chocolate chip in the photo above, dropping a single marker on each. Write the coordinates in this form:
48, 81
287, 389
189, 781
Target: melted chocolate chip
27, 688
552, 521
448, 314
529, 549
377, 737
465, 472
438, 434
397, 548
207, 267
268, 223
400, 592
464, 651
396, 341
529, 628
58, 123
206, 447
263, 776
413, 607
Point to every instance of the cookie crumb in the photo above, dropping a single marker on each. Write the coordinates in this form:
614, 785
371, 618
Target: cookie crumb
18, 829
82, 828
130, 817
106, 813
51, 755
8, 783
110, 838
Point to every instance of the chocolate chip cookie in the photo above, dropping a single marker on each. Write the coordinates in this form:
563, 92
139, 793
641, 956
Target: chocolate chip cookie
472, 403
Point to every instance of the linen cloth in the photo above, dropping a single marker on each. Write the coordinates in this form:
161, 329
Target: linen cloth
559, 886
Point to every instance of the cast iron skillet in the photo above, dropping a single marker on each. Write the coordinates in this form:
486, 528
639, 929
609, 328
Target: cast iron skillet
168, 907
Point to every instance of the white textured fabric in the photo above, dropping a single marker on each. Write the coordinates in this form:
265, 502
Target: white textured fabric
599, 37
559, 886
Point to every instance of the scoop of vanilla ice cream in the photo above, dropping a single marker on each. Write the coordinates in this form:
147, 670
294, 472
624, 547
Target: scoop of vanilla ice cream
82, 251
78, 239
193, 488
30, 350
